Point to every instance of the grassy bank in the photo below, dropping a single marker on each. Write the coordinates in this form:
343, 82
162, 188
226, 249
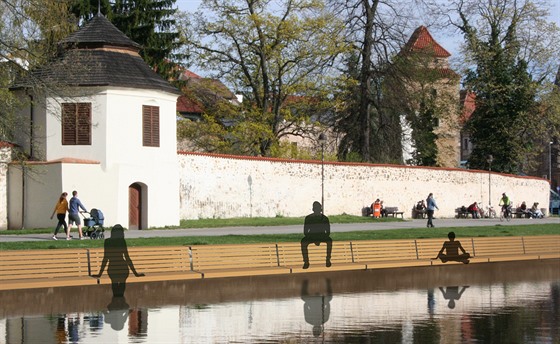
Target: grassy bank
417, 233
235, 222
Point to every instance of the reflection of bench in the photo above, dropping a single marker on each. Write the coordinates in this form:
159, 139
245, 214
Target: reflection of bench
21, 269
393, 211
157, 263
236, 260
461, 213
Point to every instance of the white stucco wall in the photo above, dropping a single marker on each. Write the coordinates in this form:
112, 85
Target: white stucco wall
220, 186
103, 171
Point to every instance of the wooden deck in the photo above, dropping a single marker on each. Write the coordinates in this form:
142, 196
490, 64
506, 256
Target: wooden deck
25, 269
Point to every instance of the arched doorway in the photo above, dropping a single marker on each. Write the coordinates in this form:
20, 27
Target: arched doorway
135, 206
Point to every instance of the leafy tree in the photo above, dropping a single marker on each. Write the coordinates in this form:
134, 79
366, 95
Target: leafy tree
514, 53
277, 55
29, 31
150, 23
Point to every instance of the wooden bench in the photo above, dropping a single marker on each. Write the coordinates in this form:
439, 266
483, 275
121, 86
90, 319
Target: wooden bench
461, 213
394, 212
545, 246
290, 256
502, 249
157, 263
23, 269
418, 213
377, 254
518, 213
236, 260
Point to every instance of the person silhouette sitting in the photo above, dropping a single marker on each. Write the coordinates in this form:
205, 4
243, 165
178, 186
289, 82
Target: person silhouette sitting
116, 256
316, 229
452, 248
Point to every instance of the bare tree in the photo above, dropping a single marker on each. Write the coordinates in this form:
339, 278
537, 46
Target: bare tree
377, 30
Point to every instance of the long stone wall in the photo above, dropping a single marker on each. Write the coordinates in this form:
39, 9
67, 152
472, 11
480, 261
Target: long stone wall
222, 186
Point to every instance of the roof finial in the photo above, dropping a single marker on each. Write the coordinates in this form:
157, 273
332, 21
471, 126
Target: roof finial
98, 7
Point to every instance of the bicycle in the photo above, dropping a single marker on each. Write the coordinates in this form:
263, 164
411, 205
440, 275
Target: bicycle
506, 214
490, 212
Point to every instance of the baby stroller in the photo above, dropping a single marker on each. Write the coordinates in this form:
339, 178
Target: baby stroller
94, 224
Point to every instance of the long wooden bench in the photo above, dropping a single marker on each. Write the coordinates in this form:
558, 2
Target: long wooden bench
75, 267
290, 256
157, 263
546, 246
501, 249
387, 253
23, 269
236, 260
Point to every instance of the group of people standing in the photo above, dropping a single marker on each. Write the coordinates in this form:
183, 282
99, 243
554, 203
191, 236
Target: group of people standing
73, 207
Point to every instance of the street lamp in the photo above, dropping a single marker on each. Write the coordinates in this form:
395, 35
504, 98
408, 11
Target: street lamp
322, 139
489, 159
550, 162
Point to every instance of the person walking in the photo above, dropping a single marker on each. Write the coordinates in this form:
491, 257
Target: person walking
60, 209
431, 206
74, 214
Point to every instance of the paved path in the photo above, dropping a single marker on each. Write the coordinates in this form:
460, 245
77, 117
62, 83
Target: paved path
335, 227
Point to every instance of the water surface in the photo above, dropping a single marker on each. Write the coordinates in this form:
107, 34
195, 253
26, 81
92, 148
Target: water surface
478, 303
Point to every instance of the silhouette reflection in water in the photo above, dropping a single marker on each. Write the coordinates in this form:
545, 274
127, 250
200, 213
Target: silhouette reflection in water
117, 313
452, 294
316, 229
452, 248
118, 263
316, 307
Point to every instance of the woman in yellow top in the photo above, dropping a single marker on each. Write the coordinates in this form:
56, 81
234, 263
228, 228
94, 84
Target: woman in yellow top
60, 209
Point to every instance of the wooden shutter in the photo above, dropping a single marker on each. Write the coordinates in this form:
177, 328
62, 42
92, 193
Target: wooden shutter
150, 126
76, 123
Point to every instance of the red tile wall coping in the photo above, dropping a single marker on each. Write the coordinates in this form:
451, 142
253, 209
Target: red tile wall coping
299, 161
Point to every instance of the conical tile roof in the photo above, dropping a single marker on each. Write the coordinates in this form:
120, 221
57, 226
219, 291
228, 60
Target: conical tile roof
98, 54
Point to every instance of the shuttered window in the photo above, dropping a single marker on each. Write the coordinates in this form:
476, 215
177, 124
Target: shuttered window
76, 123
150, 126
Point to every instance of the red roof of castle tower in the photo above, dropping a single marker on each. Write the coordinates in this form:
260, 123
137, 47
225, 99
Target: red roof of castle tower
422, 41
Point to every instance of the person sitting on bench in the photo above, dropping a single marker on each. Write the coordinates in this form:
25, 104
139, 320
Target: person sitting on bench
452, 248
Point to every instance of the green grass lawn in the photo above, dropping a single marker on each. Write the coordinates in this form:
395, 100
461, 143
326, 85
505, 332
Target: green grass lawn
416, 233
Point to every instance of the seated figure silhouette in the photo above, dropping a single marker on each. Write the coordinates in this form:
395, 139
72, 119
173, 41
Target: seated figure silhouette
316, 229
316, 307
451, 249
118, 261
452, 294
